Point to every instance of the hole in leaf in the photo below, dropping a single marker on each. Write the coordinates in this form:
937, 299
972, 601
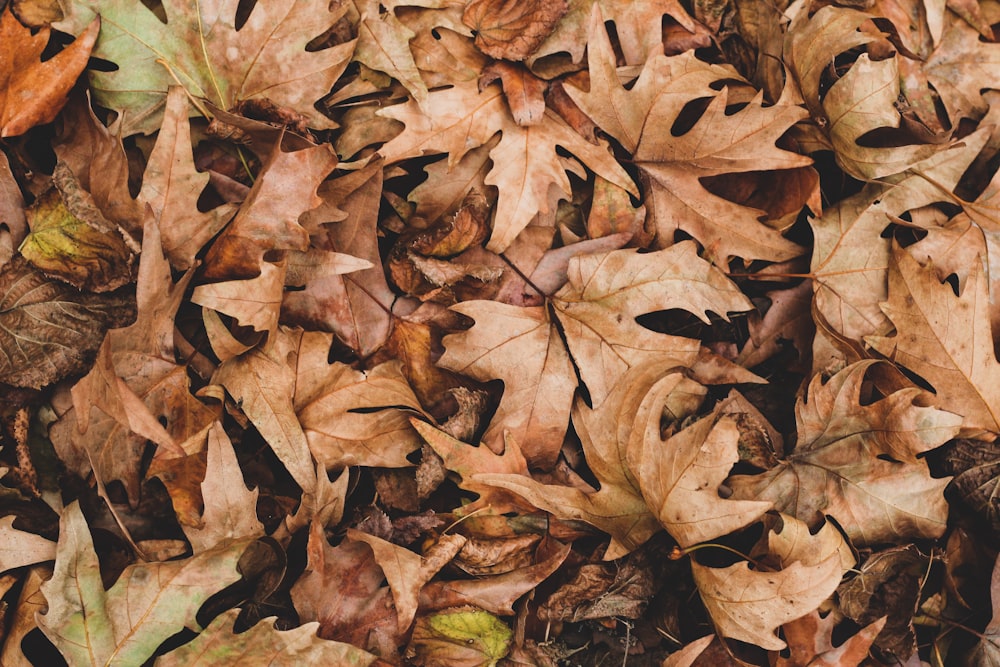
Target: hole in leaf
690, 115
156, 6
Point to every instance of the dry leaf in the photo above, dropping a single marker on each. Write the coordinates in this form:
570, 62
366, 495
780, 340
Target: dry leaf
510, 30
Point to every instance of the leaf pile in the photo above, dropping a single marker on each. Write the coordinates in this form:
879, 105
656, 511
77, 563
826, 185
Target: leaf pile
499, 333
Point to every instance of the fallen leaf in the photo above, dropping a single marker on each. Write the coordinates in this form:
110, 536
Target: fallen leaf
460, 637
263, 643
512, 30
858, 463
21, 548
50, 329
267, 56
35, 90
147, 604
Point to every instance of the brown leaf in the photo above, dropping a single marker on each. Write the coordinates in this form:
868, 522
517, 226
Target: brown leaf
858, 463
11, 213
35, 90
511, 30
51, 330
525, 92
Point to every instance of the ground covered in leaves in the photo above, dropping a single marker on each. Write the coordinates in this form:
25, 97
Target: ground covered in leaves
500, 333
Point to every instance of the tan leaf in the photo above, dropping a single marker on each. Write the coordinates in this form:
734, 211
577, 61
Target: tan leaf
750, 605
352, 417
34, 89
254, 303
264, 644
230, 508
512, 30
170, 183
841, 465
521, 347
944, 338
21, 548
384, 45
607, 291
407, 572
680, 477
524, 91
810, 643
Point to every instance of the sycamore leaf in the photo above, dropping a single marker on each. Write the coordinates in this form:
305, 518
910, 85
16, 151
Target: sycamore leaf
632, 21
751, 604
858, 463
352, 417
34, 89
48, 329
607, 291
149, 603
218, 644
266, 57
230, 508
384, 45
521, 347
680, 477
718, 144
945, 339
525, 162
170, 183
851, 259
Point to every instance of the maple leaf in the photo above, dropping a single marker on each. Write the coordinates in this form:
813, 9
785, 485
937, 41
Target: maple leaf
680, 477
945, 339
525, 162
264, 643
266, 57
604, 294
632, 21
35, 90
149, 602
750, 604
850, 257
521, 347
858, 463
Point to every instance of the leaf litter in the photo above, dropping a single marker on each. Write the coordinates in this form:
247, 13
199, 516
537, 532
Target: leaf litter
491, 333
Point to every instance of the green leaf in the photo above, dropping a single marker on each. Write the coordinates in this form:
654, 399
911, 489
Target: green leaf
150, 602
199, 47
463, 637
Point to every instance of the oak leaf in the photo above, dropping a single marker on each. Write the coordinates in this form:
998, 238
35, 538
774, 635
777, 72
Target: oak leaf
147, 604
35, 90
858, 463
170, 183
267, 56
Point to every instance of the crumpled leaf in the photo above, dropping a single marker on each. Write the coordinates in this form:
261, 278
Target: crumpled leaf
858, 463
462, 637
218, 644
149, 603
51, 330
267, 57
512, 30
71, 240
35, 90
